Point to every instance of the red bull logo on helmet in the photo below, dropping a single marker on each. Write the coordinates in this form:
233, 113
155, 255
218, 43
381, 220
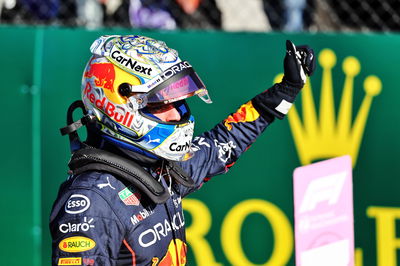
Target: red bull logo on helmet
175, 255
125, 118
103, 73
246, 113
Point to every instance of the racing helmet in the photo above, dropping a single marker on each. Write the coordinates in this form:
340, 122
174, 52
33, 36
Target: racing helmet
125, 76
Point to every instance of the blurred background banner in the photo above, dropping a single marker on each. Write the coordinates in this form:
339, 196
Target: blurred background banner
227, 15
244, 217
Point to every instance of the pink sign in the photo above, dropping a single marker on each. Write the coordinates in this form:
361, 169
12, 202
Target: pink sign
323, 213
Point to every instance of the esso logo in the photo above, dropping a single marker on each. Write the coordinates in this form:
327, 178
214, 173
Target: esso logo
77, 203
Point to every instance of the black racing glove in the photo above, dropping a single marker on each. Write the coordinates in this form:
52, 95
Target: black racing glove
276, 101
299, 62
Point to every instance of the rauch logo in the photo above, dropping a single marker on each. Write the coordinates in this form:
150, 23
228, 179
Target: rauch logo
76, 244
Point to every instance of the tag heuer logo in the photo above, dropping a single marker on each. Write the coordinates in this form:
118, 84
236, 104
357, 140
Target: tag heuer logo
128, 197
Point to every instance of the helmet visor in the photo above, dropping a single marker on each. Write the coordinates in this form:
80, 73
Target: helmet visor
182, 85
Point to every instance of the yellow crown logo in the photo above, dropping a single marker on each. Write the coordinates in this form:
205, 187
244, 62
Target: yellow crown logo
329, 136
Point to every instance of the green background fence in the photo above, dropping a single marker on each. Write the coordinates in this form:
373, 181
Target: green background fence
40, 76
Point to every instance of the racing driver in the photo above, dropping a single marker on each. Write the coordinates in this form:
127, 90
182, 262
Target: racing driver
121, 204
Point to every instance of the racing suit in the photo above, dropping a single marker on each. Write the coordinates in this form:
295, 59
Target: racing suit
97, 219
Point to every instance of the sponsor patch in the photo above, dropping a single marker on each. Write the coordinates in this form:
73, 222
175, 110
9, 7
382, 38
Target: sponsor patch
172, 71
143, 214
76, 244
77, 227
129, 198
77, 203
70, 261
128, 62
103, 185
179, 147
161, 230
88, 262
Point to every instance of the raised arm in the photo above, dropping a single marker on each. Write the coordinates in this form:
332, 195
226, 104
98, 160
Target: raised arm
219, 148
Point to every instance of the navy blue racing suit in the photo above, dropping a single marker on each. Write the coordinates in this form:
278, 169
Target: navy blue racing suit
98, 219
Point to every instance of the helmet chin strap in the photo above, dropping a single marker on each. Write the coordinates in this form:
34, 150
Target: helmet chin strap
72, 127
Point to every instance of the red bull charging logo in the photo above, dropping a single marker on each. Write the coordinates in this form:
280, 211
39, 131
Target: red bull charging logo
246, 113
175, 256
103, 73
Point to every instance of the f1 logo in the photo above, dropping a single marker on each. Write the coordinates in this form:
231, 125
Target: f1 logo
323, 189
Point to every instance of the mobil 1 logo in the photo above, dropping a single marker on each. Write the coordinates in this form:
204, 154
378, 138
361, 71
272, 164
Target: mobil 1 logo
77, 203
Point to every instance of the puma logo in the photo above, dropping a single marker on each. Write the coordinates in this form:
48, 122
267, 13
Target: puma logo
108, 184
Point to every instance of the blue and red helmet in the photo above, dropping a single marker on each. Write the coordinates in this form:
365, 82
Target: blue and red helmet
128, 74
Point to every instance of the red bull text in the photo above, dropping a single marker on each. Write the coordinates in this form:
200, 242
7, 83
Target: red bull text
108, 107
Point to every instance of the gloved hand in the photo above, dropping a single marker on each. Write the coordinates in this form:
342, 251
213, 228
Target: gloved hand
299, 62
277, 100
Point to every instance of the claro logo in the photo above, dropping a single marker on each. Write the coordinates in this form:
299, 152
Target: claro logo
77, 203
76, 227
76, 244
